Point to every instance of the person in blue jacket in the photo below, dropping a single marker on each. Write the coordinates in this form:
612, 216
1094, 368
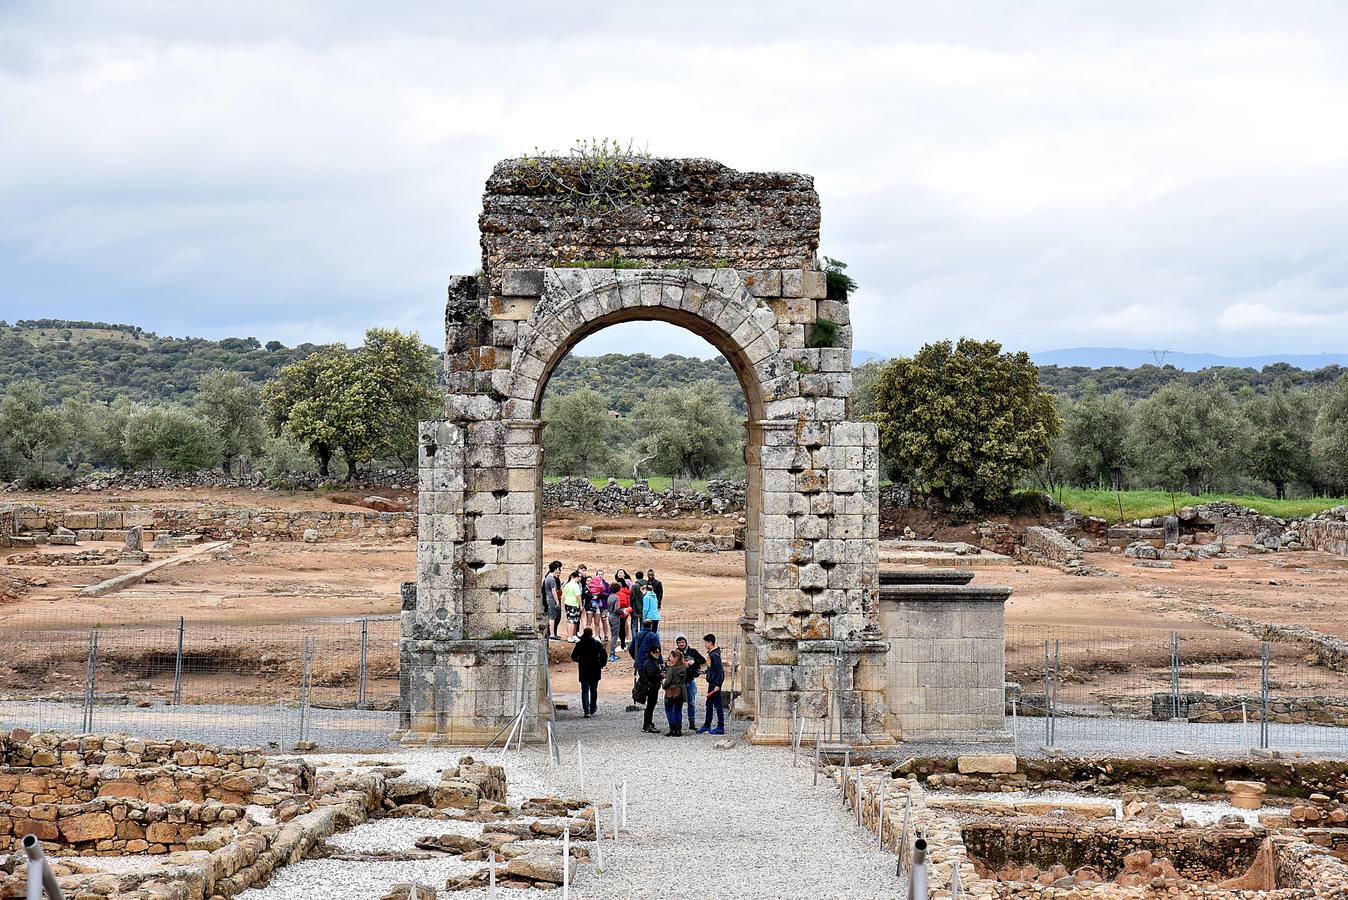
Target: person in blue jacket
650, 609
645, 650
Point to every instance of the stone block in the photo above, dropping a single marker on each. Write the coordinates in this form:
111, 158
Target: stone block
766, 283
522, 282
814, 284
793, 283
987, 764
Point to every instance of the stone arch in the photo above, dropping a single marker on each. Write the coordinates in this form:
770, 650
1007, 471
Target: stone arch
811, 553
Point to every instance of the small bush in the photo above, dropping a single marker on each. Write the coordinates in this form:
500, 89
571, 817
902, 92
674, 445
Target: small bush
822, 333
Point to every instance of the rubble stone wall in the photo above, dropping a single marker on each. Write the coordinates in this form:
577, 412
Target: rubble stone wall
696, 211
219, 524
1051, 548
1197, 706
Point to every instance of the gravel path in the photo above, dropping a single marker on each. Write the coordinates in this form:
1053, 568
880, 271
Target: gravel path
733, 823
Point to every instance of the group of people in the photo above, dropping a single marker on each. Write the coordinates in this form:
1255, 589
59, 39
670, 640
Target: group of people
608, 609
602, 617
673, 677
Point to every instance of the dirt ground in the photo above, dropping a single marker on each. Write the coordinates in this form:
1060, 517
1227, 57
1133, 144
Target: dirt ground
335, 583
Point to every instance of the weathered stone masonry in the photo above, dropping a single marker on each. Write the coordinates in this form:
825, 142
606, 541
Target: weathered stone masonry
744, 279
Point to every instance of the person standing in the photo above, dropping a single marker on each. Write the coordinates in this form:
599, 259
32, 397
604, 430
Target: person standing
675, 671
650, 608
654, 584
715, 678
693, 663
571, 601
619, 608
645, 650
590, 659
552, 599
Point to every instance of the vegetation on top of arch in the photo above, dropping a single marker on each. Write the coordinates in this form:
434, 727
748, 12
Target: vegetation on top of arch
597, 175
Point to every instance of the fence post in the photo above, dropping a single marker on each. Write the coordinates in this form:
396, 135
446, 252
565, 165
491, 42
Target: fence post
90, 682
1263, 695
1048, 738
304, 686
178, 664
1174, 676
362, 692
1053, 715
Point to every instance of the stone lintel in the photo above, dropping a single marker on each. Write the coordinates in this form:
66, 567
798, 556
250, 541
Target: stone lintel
945, 593
920, 575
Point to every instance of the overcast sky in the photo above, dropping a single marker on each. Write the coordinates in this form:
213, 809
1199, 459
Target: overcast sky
1051, 175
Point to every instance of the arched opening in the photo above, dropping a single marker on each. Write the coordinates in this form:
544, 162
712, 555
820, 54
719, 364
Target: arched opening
639, 527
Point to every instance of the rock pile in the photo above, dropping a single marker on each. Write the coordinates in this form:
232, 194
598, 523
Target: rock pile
721, 496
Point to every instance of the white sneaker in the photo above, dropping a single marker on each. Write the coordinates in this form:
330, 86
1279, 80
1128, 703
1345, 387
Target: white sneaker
573, 640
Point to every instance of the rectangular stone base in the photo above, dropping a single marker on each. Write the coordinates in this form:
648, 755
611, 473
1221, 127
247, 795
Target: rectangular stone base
467, 692
800, 682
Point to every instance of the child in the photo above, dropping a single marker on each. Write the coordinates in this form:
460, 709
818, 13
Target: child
571, 600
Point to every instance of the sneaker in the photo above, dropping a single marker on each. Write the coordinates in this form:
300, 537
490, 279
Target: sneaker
573, 640
717, 731
703, 730
613, 657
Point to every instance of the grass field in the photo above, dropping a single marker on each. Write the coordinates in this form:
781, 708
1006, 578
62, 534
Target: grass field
1145, 504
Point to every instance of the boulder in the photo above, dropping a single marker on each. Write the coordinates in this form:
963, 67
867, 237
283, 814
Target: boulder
539, 865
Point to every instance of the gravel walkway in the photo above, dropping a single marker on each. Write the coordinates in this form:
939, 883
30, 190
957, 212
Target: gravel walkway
733, 823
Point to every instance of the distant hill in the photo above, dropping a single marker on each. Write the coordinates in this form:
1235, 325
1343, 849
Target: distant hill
107, 361
1126, 358
625, 379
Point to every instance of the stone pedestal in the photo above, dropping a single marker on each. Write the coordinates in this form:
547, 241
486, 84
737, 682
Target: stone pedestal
467, 691
817, 681
946, 665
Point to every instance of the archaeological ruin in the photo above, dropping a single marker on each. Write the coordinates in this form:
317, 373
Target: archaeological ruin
730, 256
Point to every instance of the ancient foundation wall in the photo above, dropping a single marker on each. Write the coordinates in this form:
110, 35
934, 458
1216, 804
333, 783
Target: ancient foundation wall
215, 524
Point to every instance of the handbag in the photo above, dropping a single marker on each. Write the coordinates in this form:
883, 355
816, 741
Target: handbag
639, 692
674, 692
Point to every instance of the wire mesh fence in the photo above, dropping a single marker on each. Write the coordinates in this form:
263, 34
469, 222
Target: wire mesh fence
1195, 689
336, 682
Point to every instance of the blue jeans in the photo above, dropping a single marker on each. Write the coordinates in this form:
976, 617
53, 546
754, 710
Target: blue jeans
589, 696
714, 702
690, 687
674, 713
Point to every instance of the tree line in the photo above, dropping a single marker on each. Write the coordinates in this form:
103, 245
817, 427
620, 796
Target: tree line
358, 405
967, 423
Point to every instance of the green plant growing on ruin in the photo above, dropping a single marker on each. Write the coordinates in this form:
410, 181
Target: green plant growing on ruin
503, 634
840, 284
597, 175
821, 333
801, 367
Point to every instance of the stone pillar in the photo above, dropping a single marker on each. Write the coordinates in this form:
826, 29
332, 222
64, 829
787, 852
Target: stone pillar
818, 616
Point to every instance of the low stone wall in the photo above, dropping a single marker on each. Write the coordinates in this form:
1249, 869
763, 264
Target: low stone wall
1047, 547
1197, 706
1326, 534
219, 524
1330, 651
206, 821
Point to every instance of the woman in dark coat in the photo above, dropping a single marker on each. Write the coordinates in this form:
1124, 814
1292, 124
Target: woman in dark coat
590, 658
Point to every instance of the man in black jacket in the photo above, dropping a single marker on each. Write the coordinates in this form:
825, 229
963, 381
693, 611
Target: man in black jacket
715, 679
694, 663
590, 658
655, 584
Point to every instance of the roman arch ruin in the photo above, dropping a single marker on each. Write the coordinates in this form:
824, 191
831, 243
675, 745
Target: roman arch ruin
730, 256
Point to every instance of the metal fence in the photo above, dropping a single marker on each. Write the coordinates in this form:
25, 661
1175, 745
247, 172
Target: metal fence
336, 682
1197, 689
